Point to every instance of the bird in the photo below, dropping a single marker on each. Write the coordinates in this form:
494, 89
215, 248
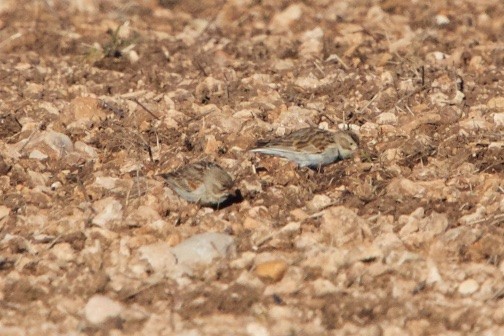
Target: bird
311, 147
203, 182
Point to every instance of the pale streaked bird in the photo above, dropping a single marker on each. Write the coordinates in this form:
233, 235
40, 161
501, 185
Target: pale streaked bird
203, 182
311, 147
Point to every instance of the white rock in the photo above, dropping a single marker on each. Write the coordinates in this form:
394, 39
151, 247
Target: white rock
386, 118
100, 308
400, 187
496, 144
133, 56
318, 203
249, 279
323, 287
244, 261
86, 149
343, 226
387, 78
311, 42
392, 330
56, 185
388, 241
435, 224
473, 217
498, 119
284, 19
256, 329
106, 182
496, 103
475, 123
4, 211
58, 141
108, 210
11, 330
468, 287
38, 179
158, 255
296, 117
283, 64
249, 113
51, 143
63, 252
37, 155
291, 282
433, 275
442, 20
308, 82
369, 129
363, 253
435, 56
203, 248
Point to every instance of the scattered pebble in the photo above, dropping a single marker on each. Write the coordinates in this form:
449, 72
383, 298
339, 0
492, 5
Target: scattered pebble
271, 270
100, 308
468, 287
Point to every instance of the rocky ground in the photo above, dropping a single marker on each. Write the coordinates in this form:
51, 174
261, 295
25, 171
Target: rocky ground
99, 97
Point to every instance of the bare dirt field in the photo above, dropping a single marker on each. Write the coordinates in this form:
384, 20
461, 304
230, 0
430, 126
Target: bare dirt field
99, 97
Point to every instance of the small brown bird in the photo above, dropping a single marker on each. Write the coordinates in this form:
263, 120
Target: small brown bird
203, 182
311, 147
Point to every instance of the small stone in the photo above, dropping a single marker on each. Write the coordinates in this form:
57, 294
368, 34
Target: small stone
63, 252
392, 330
442, 20
82, 111
308, 82
256, 329
369, 129
108, 210
158, 255
203, 248
281, 21
498, 315
386, 118
475, 122
33, 91
363, 253
212, 145
468, 287
311, 42
318, 203
133, 56
244, 261
4, 211
12, 331
106, 182
89, 151
473, 217
498, 119
341, 225
400, 187
251, 224
283, 64
299, 214
46, 144
271, 270
496, 103
322, 287
100, 308
435, 56
37, 155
